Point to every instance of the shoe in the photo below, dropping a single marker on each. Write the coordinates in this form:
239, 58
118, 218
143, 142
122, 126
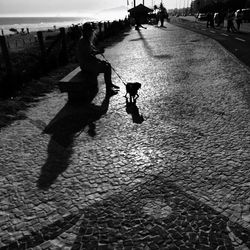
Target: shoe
114, 86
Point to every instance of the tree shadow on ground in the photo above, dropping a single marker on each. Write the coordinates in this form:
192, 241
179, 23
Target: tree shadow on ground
111, 41
149, 49
71, 120
135, 40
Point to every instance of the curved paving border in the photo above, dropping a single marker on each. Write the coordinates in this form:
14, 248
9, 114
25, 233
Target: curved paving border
156, 214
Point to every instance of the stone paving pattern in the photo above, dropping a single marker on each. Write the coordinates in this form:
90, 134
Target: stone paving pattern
101, 177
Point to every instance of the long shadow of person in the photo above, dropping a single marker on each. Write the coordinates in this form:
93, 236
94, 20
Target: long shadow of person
66, 125
131, 108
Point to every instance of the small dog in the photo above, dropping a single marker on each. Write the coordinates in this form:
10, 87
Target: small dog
132, 89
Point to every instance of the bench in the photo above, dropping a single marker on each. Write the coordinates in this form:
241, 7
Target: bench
80, 86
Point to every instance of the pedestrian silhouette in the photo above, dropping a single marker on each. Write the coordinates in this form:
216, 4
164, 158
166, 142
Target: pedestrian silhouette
239, 18
230, 21
210, 20
89, 63
162, 14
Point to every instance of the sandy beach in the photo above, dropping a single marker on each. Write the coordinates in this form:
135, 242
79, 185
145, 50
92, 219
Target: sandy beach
17, 42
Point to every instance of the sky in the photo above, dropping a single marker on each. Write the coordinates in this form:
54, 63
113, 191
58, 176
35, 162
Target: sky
74, 7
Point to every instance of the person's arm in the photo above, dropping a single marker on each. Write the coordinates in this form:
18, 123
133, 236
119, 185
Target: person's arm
85, 50
97, 51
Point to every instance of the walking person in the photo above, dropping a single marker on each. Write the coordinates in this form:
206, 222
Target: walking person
217, 19
230, 21
86, 54
156, 14
239, 18
210, 20
221, 18
162, 14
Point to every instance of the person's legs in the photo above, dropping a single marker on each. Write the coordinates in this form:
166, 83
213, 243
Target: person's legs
212, 23
228, 25
98, 66
162, 22
233, 28
105, 67
107, 75
238, 24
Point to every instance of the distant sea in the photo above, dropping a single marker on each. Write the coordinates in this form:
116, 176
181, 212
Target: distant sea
45, 23
37, 23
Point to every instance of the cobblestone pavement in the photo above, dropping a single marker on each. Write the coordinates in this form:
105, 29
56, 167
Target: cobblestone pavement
171, 172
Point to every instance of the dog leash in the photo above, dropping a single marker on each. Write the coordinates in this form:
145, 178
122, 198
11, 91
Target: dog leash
114, 70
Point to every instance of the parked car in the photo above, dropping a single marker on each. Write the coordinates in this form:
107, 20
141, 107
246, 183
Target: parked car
246, 14
202, 17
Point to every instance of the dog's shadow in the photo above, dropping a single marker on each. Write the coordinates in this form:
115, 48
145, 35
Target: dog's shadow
133, 110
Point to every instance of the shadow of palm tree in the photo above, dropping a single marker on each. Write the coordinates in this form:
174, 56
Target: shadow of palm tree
149, 49
136, 39
65, 126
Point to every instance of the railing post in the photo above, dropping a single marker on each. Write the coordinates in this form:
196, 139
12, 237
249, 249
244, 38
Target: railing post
63, 57
105, 29
42, 48
5, 54
11, 81
100, 34
41, 43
